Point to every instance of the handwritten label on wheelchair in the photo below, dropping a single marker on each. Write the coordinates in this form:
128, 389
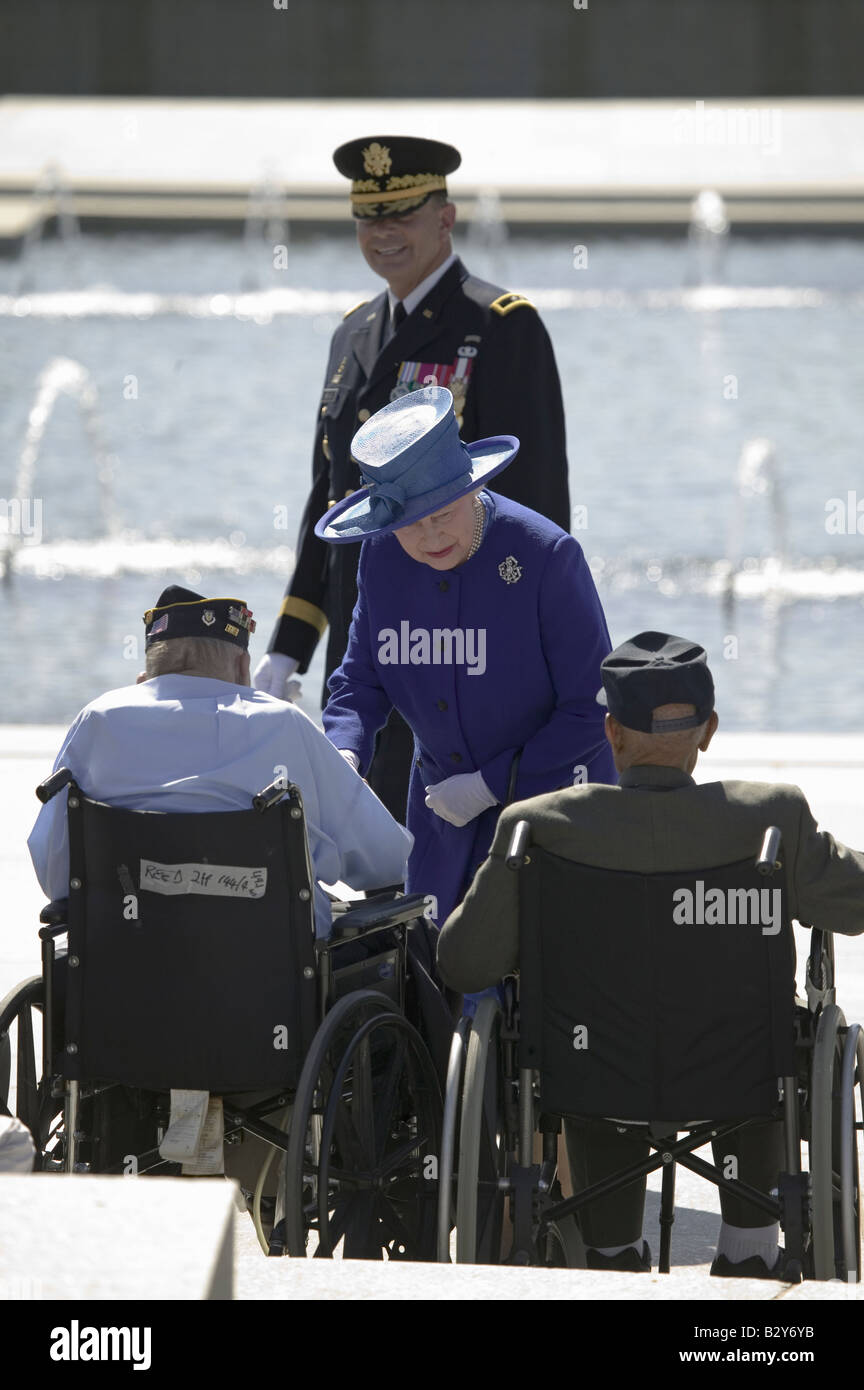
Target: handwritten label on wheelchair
211, 880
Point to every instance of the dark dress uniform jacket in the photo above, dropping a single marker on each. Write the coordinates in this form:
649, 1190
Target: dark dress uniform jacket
528, 720
504, 360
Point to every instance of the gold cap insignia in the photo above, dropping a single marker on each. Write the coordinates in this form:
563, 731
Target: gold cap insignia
376, 159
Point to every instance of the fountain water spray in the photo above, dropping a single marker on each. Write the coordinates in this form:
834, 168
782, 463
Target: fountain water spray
52, 197
487, 235
265, 228
757, 479
61, 376
708, 237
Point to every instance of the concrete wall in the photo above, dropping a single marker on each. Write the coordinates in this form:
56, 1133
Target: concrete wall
435, 48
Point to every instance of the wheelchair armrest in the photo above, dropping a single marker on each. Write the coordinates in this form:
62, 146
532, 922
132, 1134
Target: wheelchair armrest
56, 913
375, 914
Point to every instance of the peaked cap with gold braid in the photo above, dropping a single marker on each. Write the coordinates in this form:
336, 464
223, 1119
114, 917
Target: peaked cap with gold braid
392, 174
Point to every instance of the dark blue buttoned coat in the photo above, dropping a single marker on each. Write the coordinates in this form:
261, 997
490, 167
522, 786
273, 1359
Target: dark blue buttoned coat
529, 722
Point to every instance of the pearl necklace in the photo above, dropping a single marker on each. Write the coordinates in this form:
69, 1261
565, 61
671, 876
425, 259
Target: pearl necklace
479, 527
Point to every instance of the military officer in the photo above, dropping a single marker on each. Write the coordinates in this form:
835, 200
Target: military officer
435, 324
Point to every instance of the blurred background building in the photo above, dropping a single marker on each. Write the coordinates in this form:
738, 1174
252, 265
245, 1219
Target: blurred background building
488, 48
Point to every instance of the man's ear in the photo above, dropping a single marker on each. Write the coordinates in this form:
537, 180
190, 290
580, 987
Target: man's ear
448, 217
243, 669
711, 730
612, 730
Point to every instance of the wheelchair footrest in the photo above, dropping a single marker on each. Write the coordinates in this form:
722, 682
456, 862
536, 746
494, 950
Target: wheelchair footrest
794, 1192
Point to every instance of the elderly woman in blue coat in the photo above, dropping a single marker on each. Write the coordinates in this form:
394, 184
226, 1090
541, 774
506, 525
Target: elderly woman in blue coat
479, 621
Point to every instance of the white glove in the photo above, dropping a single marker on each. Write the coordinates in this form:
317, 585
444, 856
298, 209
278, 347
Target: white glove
272, 674
461, 798
350, 758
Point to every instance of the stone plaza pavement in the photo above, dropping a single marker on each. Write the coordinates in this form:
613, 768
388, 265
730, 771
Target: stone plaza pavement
828, 767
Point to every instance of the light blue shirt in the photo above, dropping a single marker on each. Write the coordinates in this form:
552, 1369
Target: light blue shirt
188, 743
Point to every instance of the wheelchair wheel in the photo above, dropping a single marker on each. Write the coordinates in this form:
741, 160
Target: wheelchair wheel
564, 1248
21, 1020
452, 1097
369, 1098
852, 1074
838, 1067
482, 1143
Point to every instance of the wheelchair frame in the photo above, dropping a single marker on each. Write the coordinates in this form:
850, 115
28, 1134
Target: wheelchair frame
367, 1100
819, 1211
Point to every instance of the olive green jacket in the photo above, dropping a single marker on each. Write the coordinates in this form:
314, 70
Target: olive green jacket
657, 820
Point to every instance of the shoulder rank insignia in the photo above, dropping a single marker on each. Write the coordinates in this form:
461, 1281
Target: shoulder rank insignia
353, 309
505, 303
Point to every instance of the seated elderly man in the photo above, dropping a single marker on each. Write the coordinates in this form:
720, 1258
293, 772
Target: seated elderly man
193, 736
660, 697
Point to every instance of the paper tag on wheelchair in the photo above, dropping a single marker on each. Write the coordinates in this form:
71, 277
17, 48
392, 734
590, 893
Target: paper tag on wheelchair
183, 1136
210, 1157
210, 880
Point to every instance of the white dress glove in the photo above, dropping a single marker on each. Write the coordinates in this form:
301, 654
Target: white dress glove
273, 675
350, 758
460, 799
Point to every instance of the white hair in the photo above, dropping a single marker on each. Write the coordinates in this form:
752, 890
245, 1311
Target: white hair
194, 656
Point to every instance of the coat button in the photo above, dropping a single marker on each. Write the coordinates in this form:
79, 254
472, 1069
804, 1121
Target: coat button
457, 757
442, 704
363, 416
444, 585
420, 764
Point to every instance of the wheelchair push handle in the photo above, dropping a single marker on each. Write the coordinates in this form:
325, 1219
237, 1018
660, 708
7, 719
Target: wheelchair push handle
769, 854
272, 795
53, 784
519, 841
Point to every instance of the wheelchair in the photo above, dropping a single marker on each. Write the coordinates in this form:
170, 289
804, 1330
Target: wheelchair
193, 965
619, 1010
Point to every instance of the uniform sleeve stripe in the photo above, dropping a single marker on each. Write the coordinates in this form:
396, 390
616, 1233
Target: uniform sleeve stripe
306, 612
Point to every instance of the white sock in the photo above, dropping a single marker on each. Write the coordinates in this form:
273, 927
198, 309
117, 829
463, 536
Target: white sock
739, 1243
616, 1249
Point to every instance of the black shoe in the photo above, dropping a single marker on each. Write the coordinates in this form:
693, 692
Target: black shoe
628, 1261
752, 1268
278, 1240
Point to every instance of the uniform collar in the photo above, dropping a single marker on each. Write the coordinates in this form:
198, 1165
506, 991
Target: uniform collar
655, 778
418, 329
419, 293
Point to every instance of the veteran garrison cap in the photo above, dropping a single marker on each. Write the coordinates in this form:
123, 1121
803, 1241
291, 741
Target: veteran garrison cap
391, 174
179, 612
654, 669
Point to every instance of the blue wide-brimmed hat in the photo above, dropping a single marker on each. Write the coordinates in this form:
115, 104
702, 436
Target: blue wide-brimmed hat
413, 463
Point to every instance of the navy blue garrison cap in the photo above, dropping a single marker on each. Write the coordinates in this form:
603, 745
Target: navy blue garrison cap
656, 669
180, 612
